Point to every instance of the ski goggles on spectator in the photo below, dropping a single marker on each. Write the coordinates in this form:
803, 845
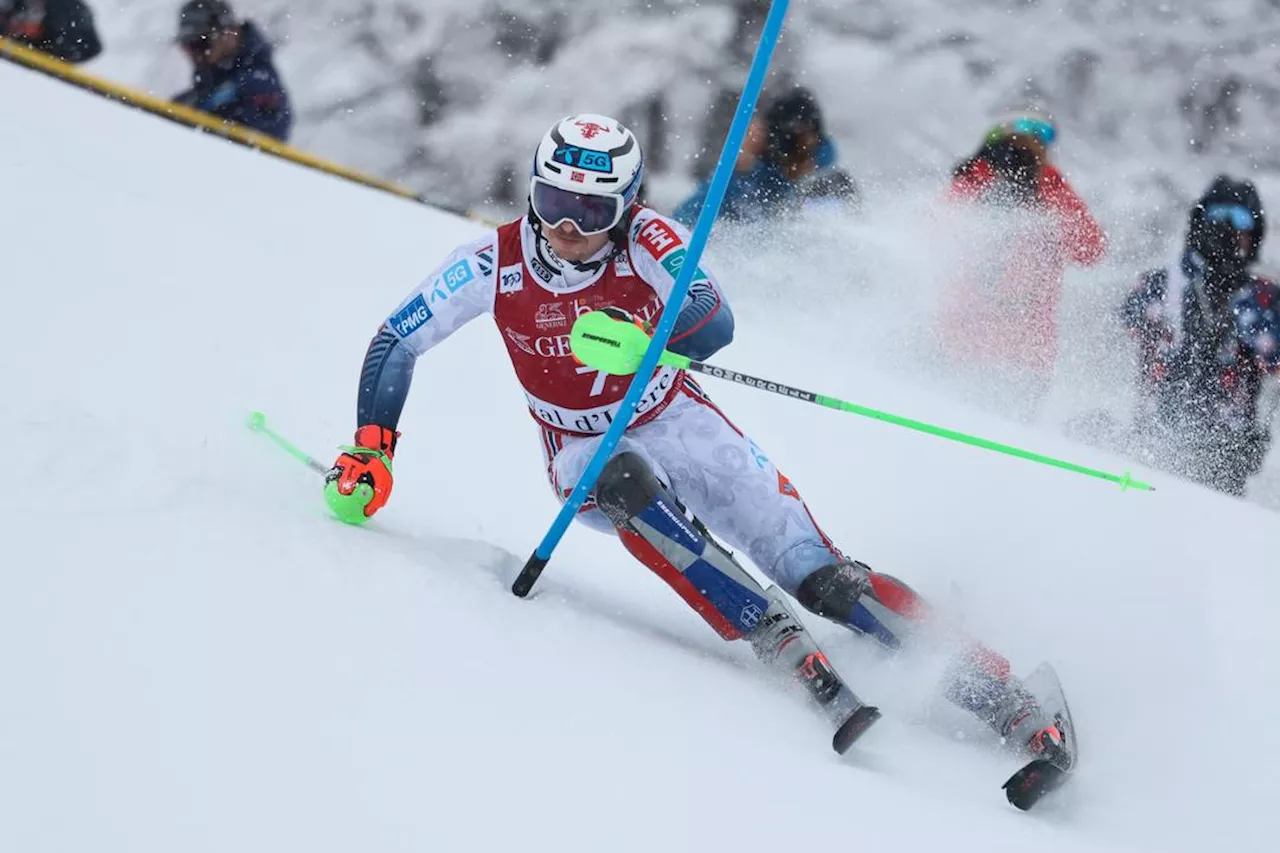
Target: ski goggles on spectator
1039, 128
590, 214
197, 42
1240, 217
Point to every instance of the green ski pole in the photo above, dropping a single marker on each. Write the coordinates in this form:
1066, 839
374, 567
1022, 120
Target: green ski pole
615, 346
258, 423
347, 506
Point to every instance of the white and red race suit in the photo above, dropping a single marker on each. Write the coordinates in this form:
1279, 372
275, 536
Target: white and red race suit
534, 298
714, 469
710, 466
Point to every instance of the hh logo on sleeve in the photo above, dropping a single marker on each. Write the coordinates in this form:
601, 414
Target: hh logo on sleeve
411, 317
658, 238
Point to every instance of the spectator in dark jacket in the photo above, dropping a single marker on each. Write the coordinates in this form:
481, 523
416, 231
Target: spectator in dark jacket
234, 78
1180, 314
61, 28
787, 162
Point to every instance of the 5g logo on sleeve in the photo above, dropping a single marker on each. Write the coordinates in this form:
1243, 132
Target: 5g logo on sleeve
458, 275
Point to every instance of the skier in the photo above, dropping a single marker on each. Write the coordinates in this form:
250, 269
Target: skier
585, 245
1202, 336
1004, 311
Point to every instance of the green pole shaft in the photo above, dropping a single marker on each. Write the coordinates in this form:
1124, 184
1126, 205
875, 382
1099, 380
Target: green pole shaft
258, 423
1124, 480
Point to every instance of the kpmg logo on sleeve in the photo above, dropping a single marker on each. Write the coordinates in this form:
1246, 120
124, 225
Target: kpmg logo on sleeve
411, 317
457, 276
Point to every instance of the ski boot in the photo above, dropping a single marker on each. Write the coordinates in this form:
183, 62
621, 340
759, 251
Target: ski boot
1024, 726
656, 528
781, 641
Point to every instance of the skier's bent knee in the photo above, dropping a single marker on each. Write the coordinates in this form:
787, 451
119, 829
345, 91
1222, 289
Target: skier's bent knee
833, 590
626, 486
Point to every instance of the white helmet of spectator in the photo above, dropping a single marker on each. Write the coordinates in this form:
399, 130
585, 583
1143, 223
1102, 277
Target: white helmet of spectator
587, 170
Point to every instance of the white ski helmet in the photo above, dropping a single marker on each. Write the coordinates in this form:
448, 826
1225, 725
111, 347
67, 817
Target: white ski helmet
588, 170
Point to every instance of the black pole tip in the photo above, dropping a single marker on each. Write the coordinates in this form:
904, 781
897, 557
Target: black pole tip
528, 576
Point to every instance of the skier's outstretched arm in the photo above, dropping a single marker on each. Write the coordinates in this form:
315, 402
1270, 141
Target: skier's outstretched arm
456, 292
704, 325
459, 290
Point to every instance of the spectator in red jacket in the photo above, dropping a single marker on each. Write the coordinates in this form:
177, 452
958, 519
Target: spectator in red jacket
1004, 310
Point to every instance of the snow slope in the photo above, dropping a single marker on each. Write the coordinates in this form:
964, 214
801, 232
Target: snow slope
193, 656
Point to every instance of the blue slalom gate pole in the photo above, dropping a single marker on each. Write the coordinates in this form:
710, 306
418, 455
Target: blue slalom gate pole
697, 242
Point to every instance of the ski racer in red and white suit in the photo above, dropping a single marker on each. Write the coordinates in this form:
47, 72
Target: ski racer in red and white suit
693, 457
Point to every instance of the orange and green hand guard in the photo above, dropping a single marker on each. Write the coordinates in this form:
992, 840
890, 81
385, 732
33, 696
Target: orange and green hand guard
359, 483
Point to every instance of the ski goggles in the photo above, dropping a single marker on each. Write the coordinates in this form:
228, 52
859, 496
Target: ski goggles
1240, 217
198, 42
589, 213
1039, 128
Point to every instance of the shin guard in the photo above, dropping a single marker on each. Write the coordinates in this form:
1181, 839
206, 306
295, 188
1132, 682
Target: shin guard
653, 527
783, 642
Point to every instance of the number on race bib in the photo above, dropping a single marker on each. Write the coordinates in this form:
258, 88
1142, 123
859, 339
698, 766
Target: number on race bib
598, 385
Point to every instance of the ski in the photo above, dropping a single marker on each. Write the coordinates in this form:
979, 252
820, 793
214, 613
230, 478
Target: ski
854, 727
1044, 775
1036, 779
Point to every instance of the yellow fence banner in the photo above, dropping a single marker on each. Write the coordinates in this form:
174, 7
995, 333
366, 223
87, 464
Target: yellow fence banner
22, 55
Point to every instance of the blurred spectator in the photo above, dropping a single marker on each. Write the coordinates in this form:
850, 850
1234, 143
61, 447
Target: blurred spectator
1004, 309
61, 28
1181, 316
786, 162
233, 75
1208, 331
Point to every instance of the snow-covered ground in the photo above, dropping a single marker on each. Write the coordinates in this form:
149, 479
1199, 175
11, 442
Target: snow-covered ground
194, 656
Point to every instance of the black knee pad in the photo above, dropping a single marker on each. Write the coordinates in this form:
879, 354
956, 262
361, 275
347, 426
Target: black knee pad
626, 486
832, 591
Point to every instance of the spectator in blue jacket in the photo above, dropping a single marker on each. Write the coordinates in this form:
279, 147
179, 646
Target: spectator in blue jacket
787, 162
233, 77
61, 28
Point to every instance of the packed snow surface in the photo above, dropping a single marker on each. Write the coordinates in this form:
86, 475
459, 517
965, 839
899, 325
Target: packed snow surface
195, 656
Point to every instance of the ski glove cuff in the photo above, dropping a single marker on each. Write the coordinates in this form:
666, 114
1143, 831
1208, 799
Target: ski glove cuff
627, 317
379, 438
